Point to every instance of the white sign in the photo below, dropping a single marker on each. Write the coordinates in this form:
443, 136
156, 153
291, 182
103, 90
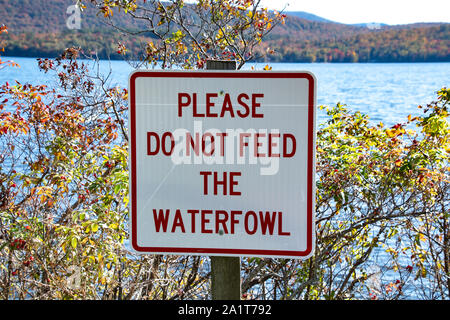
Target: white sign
222, 163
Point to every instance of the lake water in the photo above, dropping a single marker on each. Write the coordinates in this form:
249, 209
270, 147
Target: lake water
387, 92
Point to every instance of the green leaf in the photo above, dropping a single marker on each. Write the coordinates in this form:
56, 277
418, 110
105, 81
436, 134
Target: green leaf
74, 242
94, 227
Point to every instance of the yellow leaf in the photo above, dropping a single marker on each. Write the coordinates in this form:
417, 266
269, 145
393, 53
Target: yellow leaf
94, 227
113, 226
391, 133
74, 242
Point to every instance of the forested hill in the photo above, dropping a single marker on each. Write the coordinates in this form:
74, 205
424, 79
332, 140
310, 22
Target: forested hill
37, 28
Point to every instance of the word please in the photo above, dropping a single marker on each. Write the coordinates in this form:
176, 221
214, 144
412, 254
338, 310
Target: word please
242, 106
219, 221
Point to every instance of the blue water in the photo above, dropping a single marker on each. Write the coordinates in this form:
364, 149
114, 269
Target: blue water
387, 92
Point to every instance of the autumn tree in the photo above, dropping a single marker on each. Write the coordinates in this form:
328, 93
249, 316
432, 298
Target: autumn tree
185, 35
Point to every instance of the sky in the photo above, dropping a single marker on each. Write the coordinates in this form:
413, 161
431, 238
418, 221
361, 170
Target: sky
364, 11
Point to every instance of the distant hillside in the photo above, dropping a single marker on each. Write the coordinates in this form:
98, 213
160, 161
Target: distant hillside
420, 44
46, 16
49, 16
37, 28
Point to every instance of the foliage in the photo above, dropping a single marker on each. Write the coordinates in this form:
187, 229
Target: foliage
186, 35
4, 29
374, 185
64, 194
382, 221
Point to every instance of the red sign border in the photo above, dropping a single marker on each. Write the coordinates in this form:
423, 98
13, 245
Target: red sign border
310, 166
